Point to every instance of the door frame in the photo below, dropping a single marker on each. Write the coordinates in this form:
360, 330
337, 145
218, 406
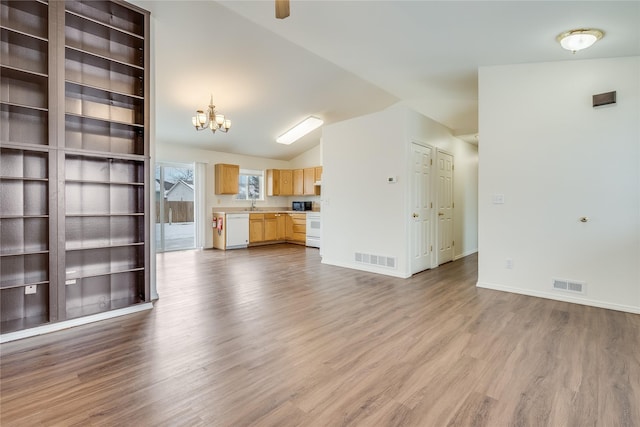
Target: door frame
159, 243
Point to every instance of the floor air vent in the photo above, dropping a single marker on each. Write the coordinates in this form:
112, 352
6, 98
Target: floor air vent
379, 260
569, 286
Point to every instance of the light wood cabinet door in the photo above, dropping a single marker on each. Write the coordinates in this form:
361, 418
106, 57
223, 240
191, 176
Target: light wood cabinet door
318, 173
256, 228
273, 182
309, 181
286, 182
298, 228
226, 178
298, 182
288, 227
270, 227
280, 226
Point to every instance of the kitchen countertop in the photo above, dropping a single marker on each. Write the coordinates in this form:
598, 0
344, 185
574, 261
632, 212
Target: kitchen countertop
259, 211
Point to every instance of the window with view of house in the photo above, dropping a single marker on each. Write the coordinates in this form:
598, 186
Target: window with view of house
250, 185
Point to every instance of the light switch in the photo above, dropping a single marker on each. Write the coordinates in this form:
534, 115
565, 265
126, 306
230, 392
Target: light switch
498, 199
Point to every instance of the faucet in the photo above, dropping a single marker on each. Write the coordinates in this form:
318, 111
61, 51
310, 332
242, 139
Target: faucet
253, 203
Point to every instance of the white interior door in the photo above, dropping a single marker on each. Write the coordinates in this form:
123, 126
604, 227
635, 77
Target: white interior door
421, 208
445, 207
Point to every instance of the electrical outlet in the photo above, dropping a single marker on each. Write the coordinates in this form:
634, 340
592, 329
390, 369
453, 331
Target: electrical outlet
30, 289
508, 263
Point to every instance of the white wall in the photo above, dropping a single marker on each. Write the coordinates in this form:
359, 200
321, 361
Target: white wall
556, 158
361, 211
310, 158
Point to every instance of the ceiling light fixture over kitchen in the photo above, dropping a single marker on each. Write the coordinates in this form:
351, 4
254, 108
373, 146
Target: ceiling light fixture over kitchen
300, 130
211, 119
575, 40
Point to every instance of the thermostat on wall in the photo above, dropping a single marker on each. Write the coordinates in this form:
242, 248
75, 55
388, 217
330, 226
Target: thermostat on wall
392, 179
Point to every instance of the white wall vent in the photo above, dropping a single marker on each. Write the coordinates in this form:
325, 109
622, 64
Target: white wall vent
569, 286
379, 260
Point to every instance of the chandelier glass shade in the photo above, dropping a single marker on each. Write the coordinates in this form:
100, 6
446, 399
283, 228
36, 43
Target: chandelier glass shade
211, 119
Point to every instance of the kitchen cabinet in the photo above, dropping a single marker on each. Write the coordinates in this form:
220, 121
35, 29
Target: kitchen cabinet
318, 173
279, 182
296, 228
226, 177
273, 182
74, 143
270, 227
267, 227
281, 226
286, 182
298, 182
309, 187
256, 228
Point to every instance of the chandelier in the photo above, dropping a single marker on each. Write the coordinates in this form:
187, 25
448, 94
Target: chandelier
211, 119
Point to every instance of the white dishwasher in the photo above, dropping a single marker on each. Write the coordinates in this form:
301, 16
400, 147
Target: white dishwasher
237, 230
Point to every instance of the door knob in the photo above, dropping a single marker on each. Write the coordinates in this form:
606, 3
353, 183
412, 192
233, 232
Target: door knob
415, 215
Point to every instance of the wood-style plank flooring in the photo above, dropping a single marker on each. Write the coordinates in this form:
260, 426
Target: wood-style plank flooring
270, 337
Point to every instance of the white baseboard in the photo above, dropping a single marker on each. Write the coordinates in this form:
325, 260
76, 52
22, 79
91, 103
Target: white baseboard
58, 326
559, 297
464, 254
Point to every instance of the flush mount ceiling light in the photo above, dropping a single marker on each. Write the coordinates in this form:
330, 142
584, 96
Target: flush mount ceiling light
300, 130
211, 119
579, 39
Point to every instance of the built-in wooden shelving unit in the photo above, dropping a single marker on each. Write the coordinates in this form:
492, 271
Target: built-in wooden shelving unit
73, 174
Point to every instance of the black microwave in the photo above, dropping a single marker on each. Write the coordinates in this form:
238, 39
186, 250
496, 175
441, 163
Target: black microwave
301, 206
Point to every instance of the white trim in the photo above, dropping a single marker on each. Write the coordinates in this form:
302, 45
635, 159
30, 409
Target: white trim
59, 326
465, 254
560, 297
200, 206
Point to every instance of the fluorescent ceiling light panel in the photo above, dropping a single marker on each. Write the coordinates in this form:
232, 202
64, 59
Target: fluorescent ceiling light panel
300, 130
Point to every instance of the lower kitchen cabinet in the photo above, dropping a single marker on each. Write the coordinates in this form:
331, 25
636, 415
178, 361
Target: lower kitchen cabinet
268, 227
256, 228
260, 228
296, 228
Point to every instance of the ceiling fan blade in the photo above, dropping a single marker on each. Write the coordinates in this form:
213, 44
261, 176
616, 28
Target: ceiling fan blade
282, 9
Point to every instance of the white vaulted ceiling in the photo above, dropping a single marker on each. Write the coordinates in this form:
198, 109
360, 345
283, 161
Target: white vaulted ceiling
341, 59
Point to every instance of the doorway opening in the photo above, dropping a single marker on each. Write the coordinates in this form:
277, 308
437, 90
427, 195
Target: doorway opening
175, 226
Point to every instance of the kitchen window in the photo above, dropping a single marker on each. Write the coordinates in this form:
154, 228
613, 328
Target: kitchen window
250, 185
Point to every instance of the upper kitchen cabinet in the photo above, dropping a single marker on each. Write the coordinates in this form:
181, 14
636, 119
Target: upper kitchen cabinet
226, 178
279, 182
310, 182
298, 182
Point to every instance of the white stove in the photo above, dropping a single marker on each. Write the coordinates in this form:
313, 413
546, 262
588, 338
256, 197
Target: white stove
313, 229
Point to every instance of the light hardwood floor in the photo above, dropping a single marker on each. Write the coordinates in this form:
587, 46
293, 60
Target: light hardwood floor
270, 337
